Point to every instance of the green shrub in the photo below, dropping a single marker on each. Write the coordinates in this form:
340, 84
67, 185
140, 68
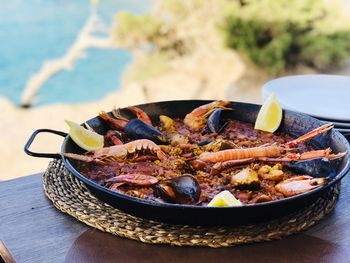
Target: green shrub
324, 51
136, 30
283, 34
148, 33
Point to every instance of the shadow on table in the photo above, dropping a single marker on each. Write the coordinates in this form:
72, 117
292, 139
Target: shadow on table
96, 246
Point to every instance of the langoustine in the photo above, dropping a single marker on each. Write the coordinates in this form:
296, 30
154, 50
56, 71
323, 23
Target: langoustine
299, 184
273, 151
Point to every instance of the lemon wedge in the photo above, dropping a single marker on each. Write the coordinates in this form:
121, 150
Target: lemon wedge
85, 139
270, 115
224, 198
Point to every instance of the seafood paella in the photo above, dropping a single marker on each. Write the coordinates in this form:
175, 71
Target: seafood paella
195, 159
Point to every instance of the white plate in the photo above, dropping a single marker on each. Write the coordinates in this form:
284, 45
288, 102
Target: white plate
337, 124
343, 130
323, 96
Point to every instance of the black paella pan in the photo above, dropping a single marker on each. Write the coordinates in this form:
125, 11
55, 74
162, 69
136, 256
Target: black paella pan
293, 123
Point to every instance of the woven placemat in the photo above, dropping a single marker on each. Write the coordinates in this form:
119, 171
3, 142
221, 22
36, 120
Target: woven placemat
71, 196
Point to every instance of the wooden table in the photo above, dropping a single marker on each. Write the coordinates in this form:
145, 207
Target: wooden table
34, 231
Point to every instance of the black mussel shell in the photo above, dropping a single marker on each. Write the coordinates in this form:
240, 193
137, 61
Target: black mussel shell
214, 121
181, 190
205, 142
318, 167
137, 129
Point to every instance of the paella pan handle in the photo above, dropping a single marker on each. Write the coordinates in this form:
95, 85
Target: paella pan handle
42, 155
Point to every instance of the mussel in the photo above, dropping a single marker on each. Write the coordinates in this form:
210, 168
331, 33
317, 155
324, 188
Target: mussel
318, 167
137, 129
214, 121
205, 142
181, 190
219, 144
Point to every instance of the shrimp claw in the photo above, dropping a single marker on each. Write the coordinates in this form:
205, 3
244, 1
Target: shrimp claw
134, 179
112, 153
324, 128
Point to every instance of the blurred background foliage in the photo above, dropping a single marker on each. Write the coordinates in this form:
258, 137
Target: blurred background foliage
283, 34
274, 35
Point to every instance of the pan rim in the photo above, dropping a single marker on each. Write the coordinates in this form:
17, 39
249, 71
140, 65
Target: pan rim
91, 183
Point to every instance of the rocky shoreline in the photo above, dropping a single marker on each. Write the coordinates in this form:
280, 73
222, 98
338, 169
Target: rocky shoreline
216, 78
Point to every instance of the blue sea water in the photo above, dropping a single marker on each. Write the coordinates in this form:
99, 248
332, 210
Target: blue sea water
38, 30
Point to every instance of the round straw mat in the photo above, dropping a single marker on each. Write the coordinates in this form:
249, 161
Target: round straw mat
71, 196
